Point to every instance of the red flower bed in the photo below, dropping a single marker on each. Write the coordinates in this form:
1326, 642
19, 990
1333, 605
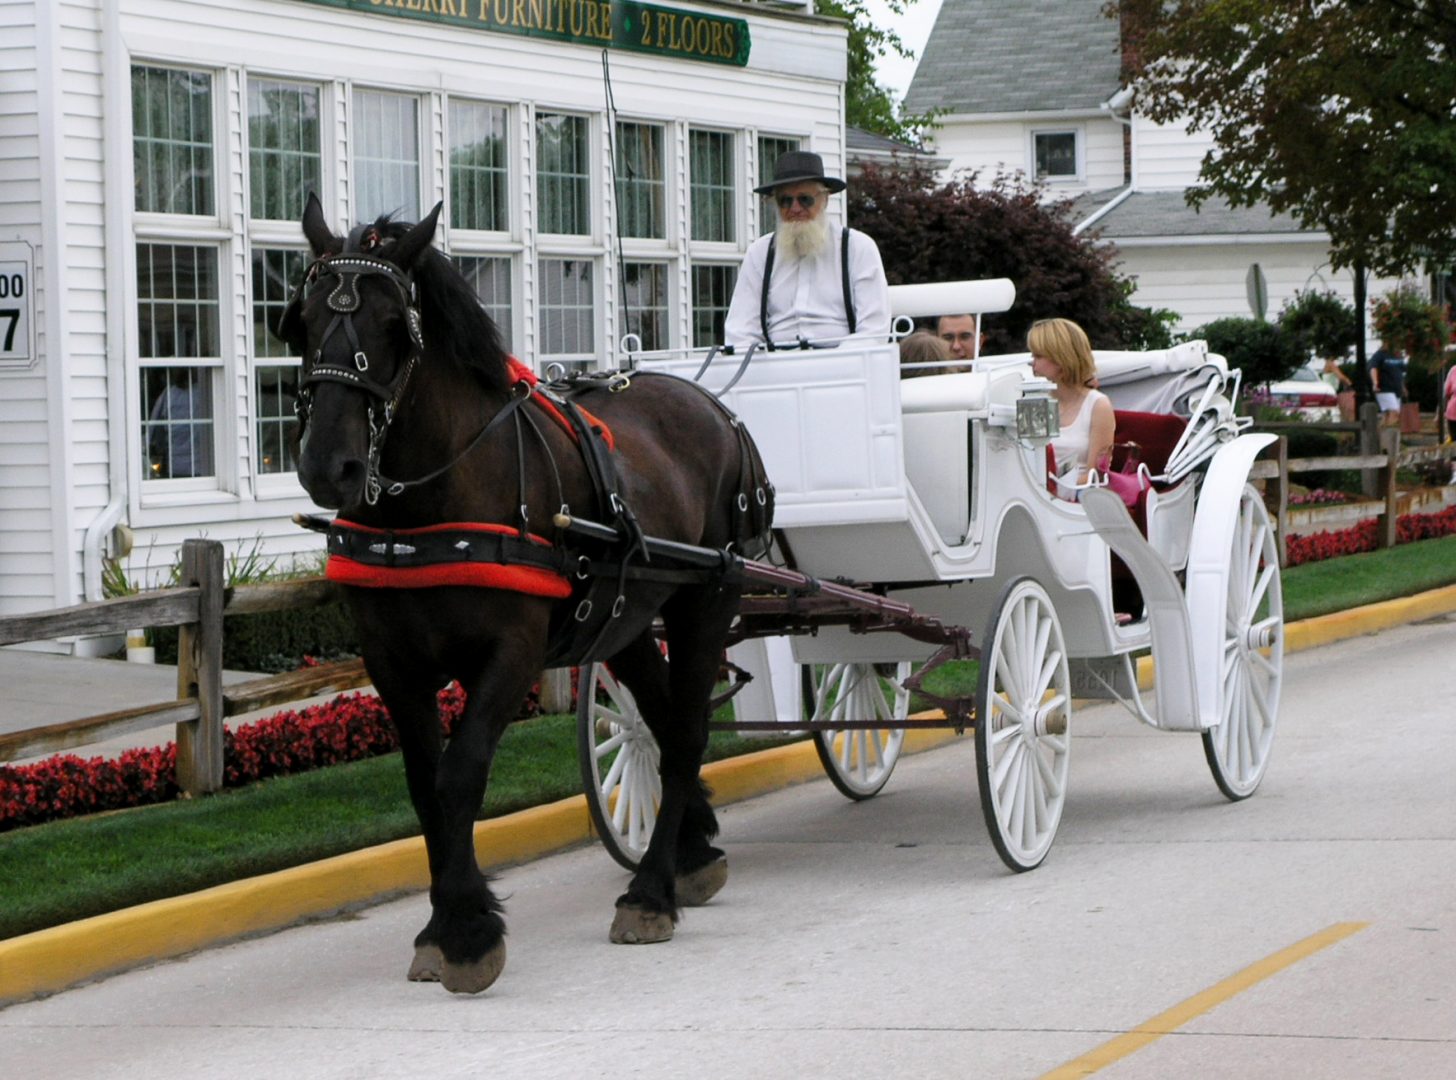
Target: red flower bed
349, 728
1365, 535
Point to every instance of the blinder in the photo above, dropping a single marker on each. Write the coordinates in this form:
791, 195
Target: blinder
345, 301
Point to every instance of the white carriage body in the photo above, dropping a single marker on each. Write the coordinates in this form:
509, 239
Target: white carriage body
923, 488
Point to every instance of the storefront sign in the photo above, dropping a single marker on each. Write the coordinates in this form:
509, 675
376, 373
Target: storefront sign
17, 305
616, 24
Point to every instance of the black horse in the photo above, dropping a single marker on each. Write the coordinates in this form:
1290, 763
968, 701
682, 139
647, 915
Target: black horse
456, 484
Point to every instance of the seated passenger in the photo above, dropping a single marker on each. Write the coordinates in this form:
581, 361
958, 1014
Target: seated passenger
923, 347
1061, 352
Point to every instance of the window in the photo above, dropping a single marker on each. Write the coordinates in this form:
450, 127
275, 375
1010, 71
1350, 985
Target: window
172, 141
563, 174
284, 162
769, 149
386, 155
567, 311
479, 180
644, 303
177, 319
1056, 155
710, 177
275, 385
490, 275
712, 291
641, 187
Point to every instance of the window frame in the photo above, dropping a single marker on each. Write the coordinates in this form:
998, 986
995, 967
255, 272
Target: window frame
1079, 143
736, 170
514, 191
593, 233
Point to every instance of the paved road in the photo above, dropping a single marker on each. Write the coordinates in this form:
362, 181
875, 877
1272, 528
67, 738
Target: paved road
885, 939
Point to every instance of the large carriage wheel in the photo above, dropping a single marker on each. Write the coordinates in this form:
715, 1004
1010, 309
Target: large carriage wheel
1023, 705
1237, 747
619, 758
858, 760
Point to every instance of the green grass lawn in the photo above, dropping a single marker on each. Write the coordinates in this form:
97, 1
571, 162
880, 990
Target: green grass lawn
56, 873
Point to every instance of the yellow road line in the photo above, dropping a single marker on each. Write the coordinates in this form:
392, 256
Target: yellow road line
1165, 1023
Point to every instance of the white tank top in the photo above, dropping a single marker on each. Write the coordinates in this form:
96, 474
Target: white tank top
1071, 445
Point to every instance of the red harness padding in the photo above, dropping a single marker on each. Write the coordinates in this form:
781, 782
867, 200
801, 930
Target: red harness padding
514, 577
521, 373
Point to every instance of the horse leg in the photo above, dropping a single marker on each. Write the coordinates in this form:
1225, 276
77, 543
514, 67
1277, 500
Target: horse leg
675, 708
415, 714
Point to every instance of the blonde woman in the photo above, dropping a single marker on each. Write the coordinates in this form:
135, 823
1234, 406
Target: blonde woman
1061, 352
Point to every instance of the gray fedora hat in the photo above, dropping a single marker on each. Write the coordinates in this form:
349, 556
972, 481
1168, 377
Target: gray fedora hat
797, 165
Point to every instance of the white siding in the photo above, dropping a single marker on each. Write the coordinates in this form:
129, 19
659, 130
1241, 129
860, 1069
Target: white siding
26, 560
1167, 156
1005, 146
1207, 282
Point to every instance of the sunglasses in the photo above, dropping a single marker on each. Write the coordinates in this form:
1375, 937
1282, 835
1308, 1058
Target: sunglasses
805, 201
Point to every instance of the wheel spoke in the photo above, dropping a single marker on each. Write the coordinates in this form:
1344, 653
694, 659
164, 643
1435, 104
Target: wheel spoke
607, 745
1048, 776
1003, 766
1010, 711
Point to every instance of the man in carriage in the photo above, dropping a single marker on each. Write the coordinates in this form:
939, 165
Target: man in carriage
809, 281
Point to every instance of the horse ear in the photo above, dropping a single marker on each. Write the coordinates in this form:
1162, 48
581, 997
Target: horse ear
320, 237
409, 246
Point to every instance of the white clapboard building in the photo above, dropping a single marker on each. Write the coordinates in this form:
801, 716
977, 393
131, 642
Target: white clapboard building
596, 159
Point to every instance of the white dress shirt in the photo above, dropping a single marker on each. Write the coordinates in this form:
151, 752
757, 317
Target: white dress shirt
806, 296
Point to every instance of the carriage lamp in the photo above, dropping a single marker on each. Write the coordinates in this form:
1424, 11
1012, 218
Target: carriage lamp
1036, 411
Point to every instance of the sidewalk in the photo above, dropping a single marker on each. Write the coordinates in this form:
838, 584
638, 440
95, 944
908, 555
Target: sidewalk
47, 688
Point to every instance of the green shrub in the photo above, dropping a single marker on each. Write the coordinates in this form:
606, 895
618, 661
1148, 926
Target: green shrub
1263, 351
1324, 323
274, 641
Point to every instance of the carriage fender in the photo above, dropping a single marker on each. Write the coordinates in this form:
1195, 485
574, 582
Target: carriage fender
1209, 553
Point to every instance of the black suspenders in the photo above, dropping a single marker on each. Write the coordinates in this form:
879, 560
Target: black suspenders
768, 266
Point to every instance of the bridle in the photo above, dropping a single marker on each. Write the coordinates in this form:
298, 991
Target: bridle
344, 301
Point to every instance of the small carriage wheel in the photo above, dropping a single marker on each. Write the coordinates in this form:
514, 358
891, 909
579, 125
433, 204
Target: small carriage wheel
1023, 705
858, 761
1237, 748
619, 759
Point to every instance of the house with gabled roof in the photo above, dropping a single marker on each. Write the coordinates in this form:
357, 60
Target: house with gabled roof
1035, 88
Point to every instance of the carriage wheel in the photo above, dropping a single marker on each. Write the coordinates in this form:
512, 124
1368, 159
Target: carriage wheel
1237, 747
858, 761
1023, 705
619, 759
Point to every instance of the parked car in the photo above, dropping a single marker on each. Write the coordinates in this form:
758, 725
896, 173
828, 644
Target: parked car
1304, 394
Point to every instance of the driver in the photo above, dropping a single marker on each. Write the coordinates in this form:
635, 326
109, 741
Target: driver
808, 280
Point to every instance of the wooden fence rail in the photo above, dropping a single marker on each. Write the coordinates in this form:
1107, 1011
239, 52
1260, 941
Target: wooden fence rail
198, 608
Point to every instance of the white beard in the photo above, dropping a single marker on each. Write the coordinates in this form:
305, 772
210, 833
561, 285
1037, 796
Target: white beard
803, 239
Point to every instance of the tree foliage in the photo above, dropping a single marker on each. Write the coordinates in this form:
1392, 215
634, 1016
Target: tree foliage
868, 105
928, 231
1339, 112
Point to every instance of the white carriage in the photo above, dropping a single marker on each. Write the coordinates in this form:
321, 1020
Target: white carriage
933, 492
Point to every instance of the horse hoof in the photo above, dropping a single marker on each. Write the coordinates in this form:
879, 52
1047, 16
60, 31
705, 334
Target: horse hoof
473, 978
425, 967
637, 926
700, 886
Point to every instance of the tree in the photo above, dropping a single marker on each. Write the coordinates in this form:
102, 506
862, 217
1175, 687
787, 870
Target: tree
1339, 112
867, 104
928, 231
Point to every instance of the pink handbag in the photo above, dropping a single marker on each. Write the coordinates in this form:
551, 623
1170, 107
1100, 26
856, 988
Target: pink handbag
1131, 480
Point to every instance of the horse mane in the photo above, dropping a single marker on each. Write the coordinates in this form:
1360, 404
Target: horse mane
455, 325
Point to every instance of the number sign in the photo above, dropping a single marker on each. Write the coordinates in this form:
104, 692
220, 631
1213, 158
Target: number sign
17, 305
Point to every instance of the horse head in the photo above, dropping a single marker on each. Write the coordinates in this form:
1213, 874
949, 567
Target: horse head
356, 323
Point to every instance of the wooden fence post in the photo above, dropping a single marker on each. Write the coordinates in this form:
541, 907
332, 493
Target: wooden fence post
199, 671
556, 690
1278, 486
1369, 444
1390, 443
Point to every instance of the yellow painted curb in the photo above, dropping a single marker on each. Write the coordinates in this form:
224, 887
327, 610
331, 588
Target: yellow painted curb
49, 960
